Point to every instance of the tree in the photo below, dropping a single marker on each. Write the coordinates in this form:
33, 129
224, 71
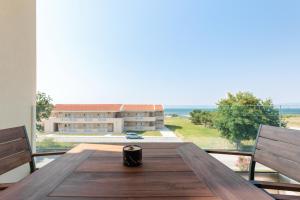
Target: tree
200, 117
44, 107
239, 116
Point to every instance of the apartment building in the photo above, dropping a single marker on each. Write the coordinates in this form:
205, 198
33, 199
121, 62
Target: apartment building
104, 118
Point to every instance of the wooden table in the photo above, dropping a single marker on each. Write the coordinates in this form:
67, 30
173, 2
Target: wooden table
170, 171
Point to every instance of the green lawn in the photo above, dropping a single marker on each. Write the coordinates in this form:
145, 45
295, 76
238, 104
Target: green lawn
50, 144
148, 133
204, 137
292, 120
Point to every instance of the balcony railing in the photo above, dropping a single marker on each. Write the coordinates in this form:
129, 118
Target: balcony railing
159, 117
139, 128
84, 120
86, 130
139, 118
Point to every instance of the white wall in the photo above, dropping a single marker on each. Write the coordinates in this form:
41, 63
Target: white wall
17, 69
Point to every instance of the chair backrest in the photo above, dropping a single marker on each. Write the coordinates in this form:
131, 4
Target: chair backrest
279, 149
14, 149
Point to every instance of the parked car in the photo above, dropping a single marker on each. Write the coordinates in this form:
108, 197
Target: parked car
131, 133
134, 137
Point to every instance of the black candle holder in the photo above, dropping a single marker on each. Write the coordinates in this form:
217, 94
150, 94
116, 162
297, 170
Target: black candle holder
132, 155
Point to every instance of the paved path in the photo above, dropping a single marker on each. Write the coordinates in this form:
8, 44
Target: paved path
167, 133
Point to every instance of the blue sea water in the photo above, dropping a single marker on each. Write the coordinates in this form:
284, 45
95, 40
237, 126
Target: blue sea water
183, 111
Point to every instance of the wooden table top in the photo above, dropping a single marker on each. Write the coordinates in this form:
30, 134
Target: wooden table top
169, 171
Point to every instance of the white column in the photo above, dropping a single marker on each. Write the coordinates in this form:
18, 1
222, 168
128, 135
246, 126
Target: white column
17, 70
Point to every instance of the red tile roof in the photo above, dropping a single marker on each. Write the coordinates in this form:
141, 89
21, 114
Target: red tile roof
142, 107
107, 107
87, 107
159, 108
137, 107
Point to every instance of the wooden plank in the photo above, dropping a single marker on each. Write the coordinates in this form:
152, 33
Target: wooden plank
4, 186
48, 153
225, 152
278, 148
116, 149
167, 145
286, 167
220, 179
277, 186
130, 198
13, 147
113, 147
152, 184
146, 153
14, 160
287, 150
285, 197
281, 134
150, 164
38, 185
10, 134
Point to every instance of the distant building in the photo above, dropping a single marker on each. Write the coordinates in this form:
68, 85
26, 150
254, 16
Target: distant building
104, 118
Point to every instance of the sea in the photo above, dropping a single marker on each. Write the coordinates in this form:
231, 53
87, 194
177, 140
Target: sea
186, 110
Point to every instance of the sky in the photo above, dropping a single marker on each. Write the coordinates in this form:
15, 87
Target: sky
173, 52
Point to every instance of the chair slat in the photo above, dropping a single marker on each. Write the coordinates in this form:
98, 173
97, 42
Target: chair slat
286, 167
281, 134
13, 147
13, 161
10, 134
285, 197
280, 149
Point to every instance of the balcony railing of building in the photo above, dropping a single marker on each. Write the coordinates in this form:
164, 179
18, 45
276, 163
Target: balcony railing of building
139, 118
139, 128
85, 130
84, 119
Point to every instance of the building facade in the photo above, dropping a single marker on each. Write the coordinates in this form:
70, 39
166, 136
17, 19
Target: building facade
104, 118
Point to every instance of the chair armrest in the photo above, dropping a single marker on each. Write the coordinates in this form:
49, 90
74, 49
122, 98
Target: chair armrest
4, 186
285, 197
48, 153
238, 153
277, 186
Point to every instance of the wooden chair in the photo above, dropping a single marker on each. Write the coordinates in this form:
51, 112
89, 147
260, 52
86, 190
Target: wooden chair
15, 151
278, 149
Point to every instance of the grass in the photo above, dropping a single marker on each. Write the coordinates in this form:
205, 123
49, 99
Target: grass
49, 144
147, 133
203, 137
292, 120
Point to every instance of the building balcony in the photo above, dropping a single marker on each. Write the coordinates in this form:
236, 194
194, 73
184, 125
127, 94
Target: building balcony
87, 130
84, 120
139, 128
160, 117
138, 119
